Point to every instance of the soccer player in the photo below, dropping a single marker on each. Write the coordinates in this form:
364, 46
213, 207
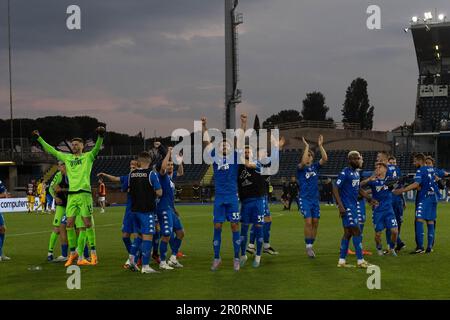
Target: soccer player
226, 206
166, 214
426, 202
144, 188
308, 176
42, 196
252, 193
383, 216
79, 202
3, 194
128, 227
346, 191
398, 202
49, 200
59, 188
101, 195
178, 234
393, 175
31, 191
293, 193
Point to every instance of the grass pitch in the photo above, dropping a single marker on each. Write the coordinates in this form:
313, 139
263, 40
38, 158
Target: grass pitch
290, 275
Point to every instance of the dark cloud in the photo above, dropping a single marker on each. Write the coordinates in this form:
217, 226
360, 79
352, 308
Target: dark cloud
158, 63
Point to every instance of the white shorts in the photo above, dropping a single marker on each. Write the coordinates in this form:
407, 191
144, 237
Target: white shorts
101, 198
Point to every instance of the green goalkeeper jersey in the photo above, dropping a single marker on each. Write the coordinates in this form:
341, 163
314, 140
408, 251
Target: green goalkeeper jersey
78, 167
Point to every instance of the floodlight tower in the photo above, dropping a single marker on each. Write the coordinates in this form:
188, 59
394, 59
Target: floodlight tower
232, 93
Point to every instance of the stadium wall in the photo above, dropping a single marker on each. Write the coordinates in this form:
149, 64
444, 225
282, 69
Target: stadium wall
338, 139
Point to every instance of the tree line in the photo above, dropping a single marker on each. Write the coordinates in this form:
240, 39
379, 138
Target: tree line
356, 108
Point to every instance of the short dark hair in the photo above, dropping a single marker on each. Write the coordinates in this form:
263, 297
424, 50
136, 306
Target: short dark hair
429, 158
420, 157
77, 139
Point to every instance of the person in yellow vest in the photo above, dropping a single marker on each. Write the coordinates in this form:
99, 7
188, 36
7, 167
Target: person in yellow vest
42, 195
31, 193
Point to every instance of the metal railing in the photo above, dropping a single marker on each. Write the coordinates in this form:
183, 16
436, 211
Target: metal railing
314, 124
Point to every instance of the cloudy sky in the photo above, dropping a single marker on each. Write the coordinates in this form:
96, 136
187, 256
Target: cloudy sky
159, 64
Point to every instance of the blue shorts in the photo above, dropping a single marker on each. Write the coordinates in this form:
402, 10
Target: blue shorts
397, 205
252, 211
350, 220
266, 207
144, 222
2, 220
177, 225
226, 210
384, 220
128, 225
361, 210
165, 217
426, 210
309, 208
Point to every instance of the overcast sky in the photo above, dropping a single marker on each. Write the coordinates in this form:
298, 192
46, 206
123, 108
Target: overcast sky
159, 64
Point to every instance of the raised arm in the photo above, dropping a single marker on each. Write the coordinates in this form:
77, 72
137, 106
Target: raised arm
109, 177
48, 148
323, 153
205, 135
180, 170
240, 145
101, 134
304, 158
165, 161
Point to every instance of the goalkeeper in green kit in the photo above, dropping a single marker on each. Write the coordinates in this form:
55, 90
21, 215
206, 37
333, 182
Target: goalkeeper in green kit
79, 202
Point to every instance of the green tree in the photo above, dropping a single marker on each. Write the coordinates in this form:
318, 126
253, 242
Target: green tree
283, 117
314, 107
357, 108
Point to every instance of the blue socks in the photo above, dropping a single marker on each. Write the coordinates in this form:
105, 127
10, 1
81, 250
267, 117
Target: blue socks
135, 248
259, 239
2, 241
266, 231
244, 236
309, 241
236, 243
431, 231
146, 248
127, 243
175, 245
163, 250
389, 239
155, 241
64, 250
344, 248
357, 243
252, 234
217, 242
361, 227
419, 234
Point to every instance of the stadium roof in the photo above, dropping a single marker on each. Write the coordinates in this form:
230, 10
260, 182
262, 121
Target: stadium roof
432, 41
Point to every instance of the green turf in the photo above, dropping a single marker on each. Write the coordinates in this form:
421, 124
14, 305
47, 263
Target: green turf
291, 275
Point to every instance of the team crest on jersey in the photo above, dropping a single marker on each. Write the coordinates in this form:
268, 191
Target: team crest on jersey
355, 182
310, 174
75, 162
223, 166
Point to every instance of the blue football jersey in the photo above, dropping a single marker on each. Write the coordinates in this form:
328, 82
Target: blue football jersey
225, 174
308, 177
425, 177
381, 193
2, 187
348, 185
168, 192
